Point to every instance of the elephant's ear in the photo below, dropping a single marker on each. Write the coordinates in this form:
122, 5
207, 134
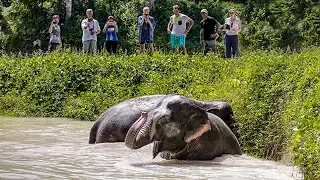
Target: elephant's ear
214, 111
198, 122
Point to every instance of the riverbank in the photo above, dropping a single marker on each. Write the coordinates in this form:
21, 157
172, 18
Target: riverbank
275, 97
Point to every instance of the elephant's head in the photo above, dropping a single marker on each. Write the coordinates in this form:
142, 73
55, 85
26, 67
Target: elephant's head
171, 126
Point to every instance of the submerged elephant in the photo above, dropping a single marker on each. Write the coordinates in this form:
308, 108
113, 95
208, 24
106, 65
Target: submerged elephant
115, 122
182, 130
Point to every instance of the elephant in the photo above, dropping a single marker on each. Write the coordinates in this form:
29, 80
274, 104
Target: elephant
114, 123
182, 130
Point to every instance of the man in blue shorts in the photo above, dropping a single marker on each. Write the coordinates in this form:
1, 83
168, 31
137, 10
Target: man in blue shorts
177, 28
146, 24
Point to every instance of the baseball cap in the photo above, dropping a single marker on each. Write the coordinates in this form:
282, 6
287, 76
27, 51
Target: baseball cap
55, 16
232, 11
204, 11
89, 10
176, 7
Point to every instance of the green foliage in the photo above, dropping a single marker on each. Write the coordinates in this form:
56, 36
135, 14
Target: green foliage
275, 96
281, 24
267, 24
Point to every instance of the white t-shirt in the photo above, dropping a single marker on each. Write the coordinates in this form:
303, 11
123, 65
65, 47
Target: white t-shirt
86, 33
179, 24
235, 24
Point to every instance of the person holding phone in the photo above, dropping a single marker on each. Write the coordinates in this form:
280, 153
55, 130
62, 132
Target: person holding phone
178, 30
111, 30
55, 32
146, 24
232, 27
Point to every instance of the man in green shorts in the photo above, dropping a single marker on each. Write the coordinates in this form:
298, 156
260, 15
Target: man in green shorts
209, 32
177, 28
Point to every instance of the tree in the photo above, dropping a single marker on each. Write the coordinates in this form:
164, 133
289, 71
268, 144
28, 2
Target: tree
68, 8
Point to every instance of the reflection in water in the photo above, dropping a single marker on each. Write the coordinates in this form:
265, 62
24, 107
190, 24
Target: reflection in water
46, 148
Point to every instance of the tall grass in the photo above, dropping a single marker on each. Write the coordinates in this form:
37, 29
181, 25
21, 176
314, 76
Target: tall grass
276, 97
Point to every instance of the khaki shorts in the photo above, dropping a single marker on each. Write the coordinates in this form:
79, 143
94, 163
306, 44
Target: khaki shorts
209, 44
90, 46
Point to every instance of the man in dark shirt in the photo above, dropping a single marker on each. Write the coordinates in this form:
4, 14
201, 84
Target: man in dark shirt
209, 32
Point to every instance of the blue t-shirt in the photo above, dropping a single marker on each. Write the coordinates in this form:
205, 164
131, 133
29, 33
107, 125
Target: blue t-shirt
111, 34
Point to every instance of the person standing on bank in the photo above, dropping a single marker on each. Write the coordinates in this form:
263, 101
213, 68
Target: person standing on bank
177, 28
146, 24
209, 32
111, 29
232, 26
90, 28
55, 32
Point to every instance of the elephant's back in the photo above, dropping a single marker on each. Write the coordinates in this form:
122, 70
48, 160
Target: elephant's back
130, 108
115, 122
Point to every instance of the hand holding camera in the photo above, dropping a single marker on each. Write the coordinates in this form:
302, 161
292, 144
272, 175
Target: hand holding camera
227, 26
92, 31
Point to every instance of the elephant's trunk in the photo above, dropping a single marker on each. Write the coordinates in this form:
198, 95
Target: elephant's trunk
138, 134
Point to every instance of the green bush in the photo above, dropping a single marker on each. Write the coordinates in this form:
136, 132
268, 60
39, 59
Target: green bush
275, 96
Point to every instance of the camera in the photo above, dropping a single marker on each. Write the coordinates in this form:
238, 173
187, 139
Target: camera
228, 26
91, 30
180, 22
54, 22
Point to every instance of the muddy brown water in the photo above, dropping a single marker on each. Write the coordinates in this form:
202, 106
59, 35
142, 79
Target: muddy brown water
54, 148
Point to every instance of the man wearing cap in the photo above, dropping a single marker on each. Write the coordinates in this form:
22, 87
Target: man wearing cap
90, 28
146, 25
178, 30
209, 32
232, 26
54, 31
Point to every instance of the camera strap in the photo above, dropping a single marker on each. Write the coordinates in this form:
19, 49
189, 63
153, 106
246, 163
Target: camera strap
91, 24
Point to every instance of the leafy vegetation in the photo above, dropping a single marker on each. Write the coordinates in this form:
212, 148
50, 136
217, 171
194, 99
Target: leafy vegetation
275, 96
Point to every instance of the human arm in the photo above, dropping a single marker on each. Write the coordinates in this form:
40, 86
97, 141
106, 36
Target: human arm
115, 27
215, 34
141, 20
152, 22
105, 27
169, 27
84, 25
50, 28
98, 27
225, 24
239, 28
201, 35
189, 26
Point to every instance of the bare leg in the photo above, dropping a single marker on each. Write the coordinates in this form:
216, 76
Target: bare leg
151, 48
142, 48
177, 50
184, 50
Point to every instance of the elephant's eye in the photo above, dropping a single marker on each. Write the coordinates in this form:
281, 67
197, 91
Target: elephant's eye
164, 120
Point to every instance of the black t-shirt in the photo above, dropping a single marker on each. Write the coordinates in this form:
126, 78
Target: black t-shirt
209, 27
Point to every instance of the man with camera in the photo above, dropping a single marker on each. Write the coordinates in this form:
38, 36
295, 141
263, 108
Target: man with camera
209, 32
146, 24
90, 28
232, 26
54, 31
177, 28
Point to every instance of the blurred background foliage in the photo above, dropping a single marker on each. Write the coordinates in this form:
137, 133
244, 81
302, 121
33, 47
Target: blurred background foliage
267, 24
